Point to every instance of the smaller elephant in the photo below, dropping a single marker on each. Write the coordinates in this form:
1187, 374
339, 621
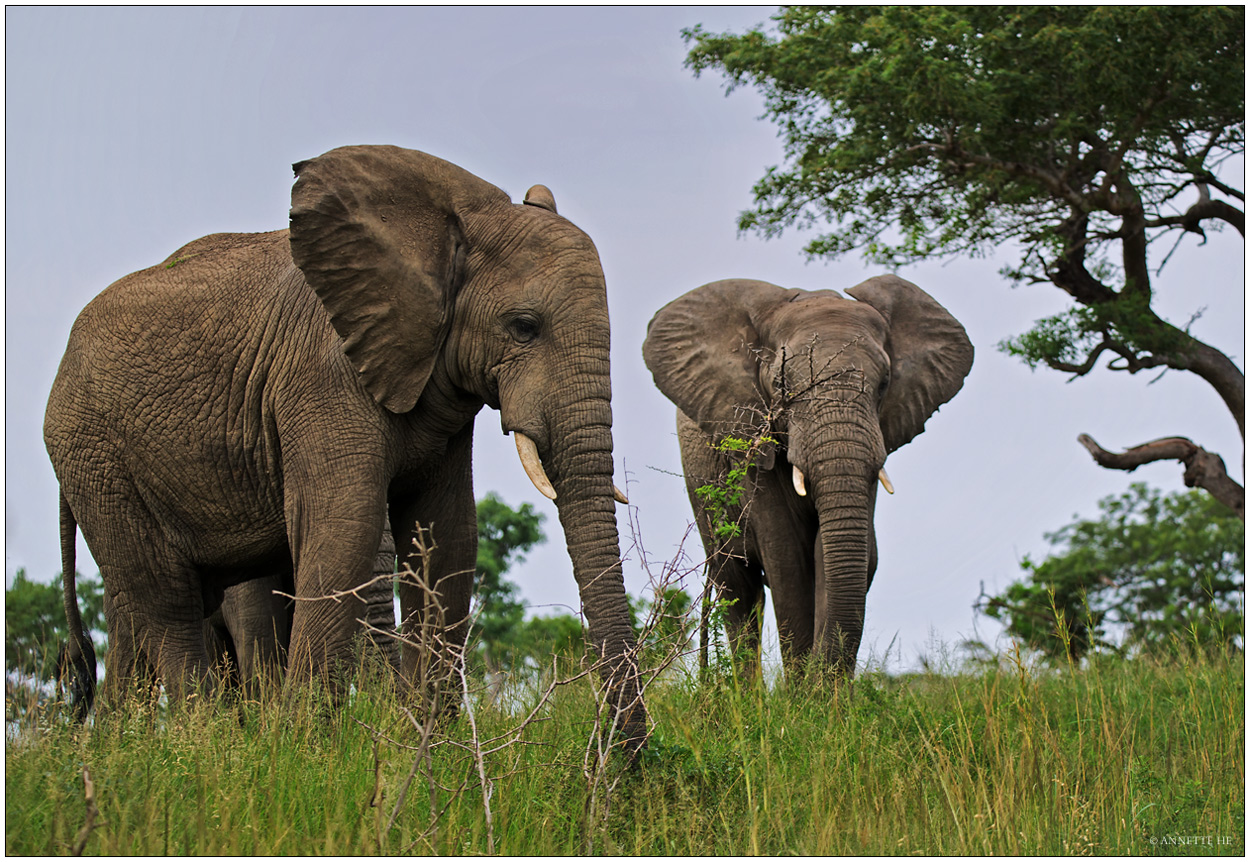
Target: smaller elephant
820, 388
250, 633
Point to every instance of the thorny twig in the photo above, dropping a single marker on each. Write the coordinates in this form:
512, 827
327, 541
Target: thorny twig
487, 787
651, 658
654, 651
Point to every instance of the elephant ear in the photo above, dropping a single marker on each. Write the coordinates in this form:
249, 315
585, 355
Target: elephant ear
930, 355
704, 351
377, 233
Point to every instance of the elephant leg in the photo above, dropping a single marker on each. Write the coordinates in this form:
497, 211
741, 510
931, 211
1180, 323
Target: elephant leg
257, 620
154, 603
221, 650
784, 541
436, 596
156, 630
334, 535
126, 671
174, 640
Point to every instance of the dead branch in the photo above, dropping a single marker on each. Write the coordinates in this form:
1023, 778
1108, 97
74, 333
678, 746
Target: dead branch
479, 761
1205, 208
337, 596
80, 841
1203, 469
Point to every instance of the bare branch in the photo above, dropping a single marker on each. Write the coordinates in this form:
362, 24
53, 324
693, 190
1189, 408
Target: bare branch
80, 840
1132, 362
1205, 208
1203, 469
1210, 179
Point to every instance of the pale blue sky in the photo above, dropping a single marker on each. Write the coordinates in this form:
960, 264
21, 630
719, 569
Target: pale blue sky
132, 131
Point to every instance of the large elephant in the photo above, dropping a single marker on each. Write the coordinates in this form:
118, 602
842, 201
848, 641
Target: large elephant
260, 402
822, 388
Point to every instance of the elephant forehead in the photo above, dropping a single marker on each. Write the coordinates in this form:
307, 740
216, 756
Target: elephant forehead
525, 236
827, 319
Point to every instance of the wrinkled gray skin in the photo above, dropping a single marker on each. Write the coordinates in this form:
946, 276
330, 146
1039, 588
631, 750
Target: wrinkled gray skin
839, 384
261, 402
250, 634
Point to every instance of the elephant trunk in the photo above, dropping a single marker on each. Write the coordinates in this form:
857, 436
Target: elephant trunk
580, 463
845, 496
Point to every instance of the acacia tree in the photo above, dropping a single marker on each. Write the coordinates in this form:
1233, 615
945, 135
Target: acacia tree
1090, 137
504, 535
1152, 573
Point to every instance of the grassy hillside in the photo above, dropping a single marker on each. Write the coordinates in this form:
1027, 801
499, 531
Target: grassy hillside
1119, 758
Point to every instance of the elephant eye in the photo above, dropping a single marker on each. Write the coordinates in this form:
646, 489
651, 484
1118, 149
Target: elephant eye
524, 327
882, 387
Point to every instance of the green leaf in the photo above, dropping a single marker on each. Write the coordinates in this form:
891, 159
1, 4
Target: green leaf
1153, 572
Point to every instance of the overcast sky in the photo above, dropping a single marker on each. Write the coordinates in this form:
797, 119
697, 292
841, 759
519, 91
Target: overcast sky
132, 131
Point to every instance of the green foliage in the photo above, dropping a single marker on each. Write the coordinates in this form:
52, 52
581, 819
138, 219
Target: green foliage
504, 535
1068, 338
1153, 572
1065, 340
34, 622
1120, 758
540, 638
721, 500
870, 101
1079, 133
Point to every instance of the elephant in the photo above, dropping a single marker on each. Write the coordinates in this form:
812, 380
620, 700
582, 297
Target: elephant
819, 389
249, 634
260, 404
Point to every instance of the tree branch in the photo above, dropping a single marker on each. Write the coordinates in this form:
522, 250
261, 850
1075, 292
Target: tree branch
80, 840
1205, 208
1210, 179
1069, 272
1203, 469
1132, 362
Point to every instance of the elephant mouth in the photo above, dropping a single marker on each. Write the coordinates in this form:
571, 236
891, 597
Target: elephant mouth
800, 482
527, 450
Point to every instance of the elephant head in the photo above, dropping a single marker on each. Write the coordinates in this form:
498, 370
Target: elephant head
443, 293
839, 384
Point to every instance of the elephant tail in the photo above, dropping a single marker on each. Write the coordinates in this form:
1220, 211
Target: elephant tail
75, 661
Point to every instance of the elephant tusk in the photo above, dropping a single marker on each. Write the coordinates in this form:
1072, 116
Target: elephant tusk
885, 481
528, 450
619, 495
800, 486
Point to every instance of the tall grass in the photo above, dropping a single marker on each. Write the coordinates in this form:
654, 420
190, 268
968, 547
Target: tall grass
1117, 758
